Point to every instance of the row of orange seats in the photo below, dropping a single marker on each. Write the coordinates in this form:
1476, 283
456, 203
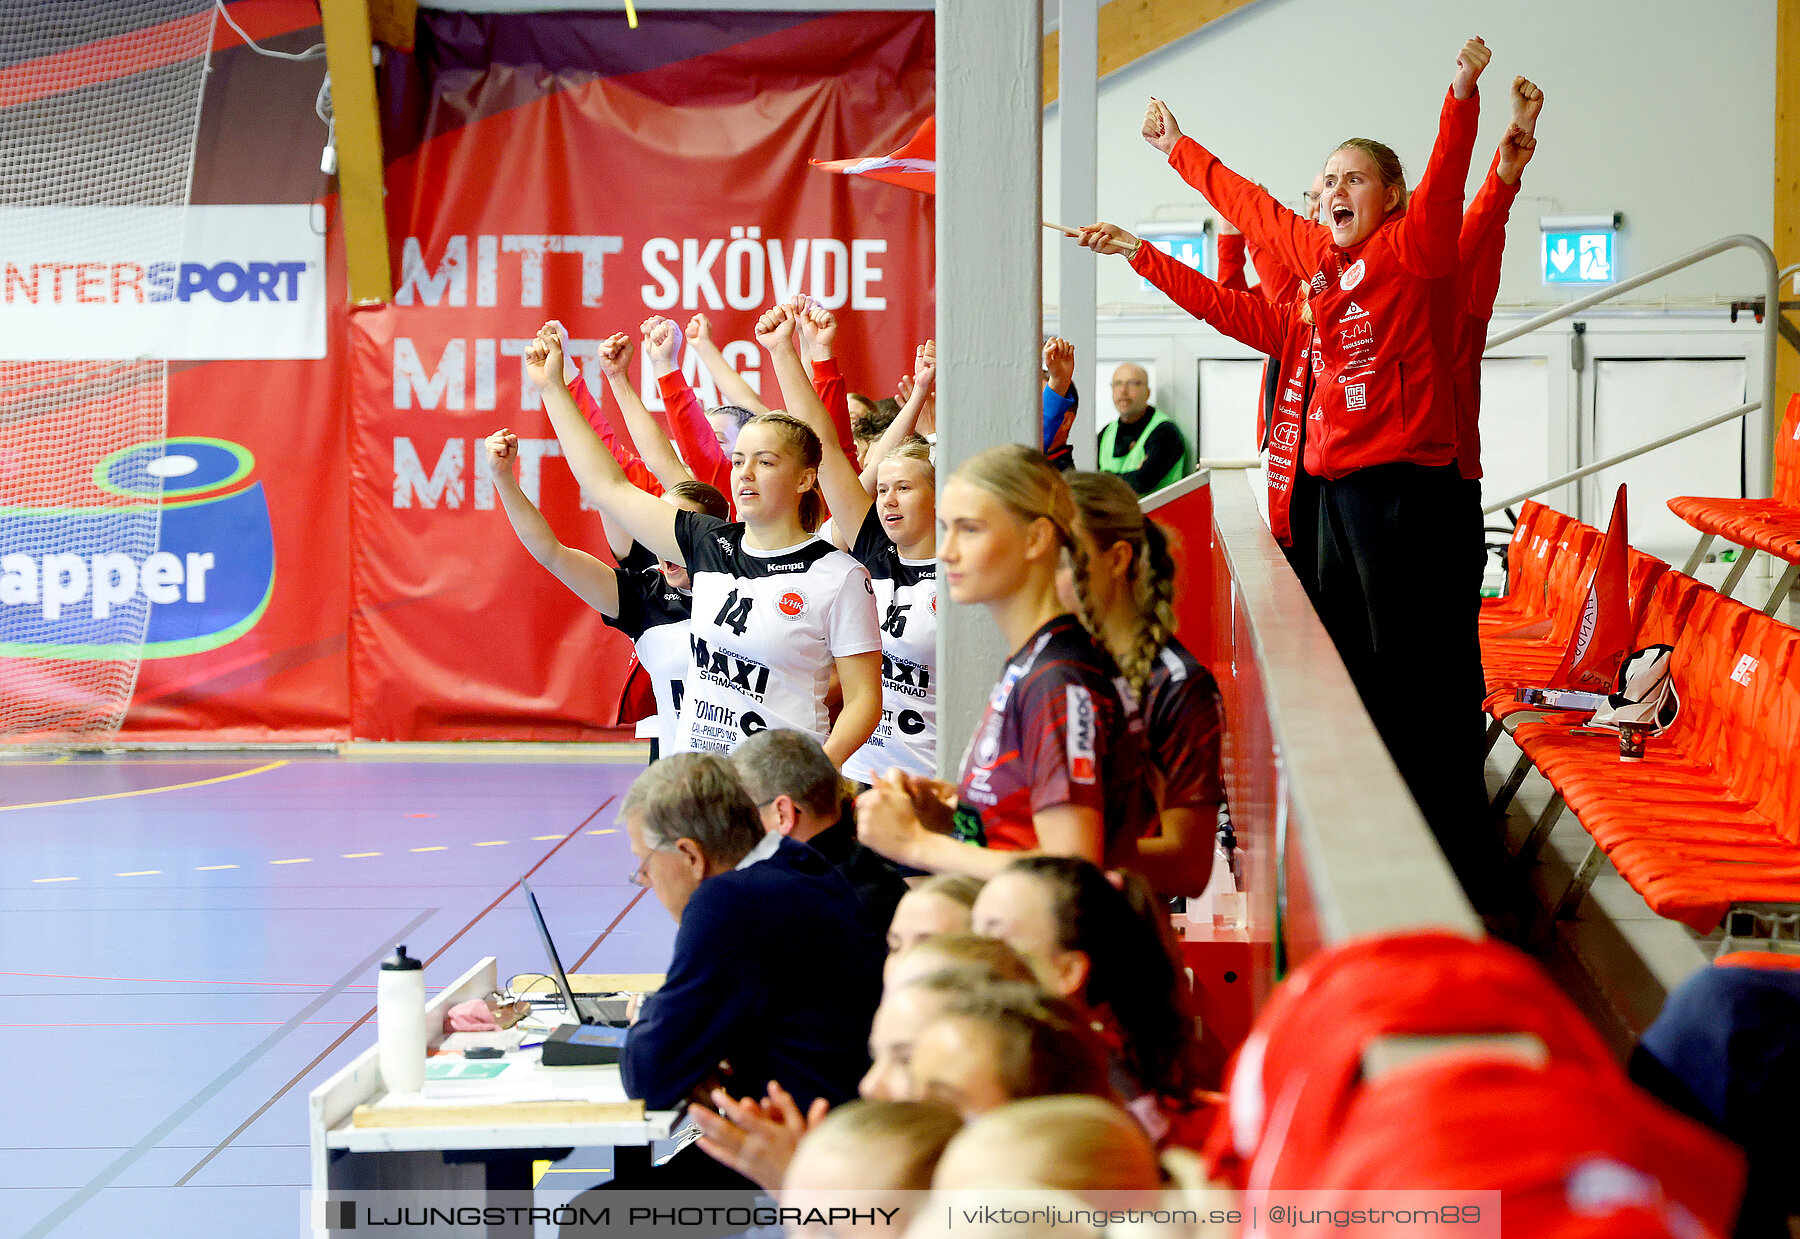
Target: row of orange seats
1711, 817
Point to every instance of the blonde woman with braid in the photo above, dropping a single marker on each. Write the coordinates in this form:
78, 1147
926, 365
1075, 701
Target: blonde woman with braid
1054, 766
1127, 597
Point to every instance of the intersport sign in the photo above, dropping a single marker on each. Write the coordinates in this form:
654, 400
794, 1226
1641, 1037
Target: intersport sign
77, 283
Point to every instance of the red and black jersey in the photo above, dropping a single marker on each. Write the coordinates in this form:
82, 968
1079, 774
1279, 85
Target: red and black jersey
1184, 726
1055, 732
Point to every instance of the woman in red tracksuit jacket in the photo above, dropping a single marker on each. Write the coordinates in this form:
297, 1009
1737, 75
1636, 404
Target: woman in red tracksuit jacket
1280, 421
1482, 243
1277, 327
1381, 273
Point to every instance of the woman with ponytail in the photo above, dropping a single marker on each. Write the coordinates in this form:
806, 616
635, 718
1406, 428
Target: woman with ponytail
1127, 598
1382, 434
1054, 766
1102, 942
775, 609
890, 528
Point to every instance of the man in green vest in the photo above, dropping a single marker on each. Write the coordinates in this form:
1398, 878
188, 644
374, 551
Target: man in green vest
1143, 446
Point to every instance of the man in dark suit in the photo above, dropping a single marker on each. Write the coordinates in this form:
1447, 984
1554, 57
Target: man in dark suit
775, 973
800, 794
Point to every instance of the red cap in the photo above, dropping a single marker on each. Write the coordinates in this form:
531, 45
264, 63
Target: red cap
1572, 1152
1299, 1070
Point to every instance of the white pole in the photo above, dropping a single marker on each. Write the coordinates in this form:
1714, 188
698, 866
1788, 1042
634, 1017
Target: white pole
1078, 106
989, 293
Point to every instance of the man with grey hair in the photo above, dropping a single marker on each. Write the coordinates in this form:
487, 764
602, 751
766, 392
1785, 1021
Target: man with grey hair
801, 795
774, 971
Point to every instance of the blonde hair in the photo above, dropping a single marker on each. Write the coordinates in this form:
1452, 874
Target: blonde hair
1077, 1144
969, 952
800, 438
1387, 164
915, 447
956, 887
1030, 487
911, 1135
1107, 508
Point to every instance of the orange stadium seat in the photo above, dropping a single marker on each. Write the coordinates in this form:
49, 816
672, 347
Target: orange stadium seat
1711, 817
1536, 542
1768, 525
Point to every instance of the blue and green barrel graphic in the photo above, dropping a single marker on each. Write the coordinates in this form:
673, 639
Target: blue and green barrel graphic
67, 590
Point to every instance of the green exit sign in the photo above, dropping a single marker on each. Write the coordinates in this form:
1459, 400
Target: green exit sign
1579, 257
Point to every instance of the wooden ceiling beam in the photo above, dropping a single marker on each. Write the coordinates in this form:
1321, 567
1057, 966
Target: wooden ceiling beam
1132, 29
357, 124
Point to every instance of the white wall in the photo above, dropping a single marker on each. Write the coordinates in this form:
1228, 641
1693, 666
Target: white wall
1662, 109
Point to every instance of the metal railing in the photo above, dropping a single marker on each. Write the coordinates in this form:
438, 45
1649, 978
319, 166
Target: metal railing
1322, 804
1759, 465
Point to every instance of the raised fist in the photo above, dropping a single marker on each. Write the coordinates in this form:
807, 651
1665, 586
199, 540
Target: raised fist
1059, 363
502, 450
662, 341
1470, 62
1160, 129
1516, 147
544, 358
615, 356
1527, 102
820, 327
775, 329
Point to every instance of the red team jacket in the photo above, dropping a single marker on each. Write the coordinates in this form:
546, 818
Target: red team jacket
1281, 438
1229, 249
1478, 282
617, 443
699, 447
1386, 388
1275, 329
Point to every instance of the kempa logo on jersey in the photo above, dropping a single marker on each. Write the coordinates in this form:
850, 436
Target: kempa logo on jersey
204, 581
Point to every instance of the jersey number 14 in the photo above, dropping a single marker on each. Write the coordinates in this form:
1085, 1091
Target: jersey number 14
735, 614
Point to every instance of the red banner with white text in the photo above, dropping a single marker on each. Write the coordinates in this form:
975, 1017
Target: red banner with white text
539, 166
568, 167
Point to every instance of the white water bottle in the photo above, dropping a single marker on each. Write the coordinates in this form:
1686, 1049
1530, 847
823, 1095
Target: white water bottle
400, 1022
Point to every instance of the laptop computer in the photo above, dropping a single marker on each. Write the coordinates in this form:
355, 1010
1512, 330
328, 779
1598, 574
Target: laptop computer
609, 1009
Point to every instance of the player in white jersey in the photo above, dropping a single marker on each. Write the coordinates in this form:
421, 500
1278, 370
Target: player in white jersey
776, 610
894, 537
644, 598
